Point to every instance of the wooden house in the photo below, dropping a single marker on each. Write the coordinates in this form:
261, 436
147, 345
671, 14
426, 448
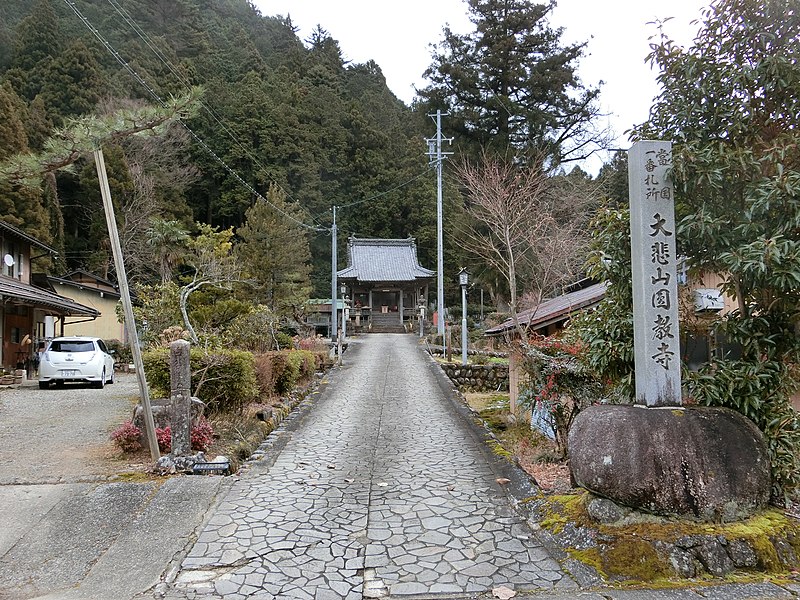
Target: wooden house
28, 313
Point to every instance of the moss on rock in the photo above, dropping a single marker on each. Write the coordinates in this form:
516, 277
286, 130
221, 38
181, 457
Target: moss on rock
639, 551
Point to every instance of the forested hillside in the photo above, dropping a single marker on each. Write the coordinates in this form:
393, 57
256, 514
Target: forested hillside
275, 110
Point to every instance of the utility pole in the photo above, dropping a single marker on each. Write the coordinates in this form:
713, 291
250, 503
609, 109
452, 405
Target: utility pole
127, 305
436, 155
334, 265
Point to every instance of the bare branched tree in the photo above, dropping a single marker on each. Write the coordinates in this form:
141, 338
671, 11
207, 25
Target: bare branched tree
527, 226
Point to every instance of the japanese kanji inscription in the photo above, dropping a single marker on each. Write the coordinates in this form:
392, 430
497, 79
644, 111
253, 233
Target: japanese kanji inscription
654, 266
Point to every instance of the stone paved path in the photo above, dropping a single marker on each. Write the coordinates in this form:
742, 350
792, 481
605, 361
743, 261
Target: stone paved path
380, 490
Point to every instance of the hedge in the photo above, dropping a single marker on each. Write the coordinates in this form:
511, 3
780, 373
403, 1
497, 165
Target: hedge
224, 379
280, 371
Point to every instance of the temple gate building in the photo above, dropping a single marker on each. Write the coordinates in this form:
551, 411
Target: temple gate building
385, 284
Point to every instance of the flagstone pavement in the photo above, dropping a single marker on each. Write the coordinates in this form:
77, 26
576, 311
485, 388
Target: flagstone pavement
380, 489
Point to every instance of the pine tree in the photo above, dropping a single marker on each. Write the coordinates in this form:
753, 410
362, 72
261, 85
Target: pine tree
274, 253
510, 83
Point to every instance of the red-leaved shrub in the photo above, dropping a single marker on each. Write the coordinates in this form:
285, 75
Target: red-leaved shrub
202, 435
164, 439
127, 436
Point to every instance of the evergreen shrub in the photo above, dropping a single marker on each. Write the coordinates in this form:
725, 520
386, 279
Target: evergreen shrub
224, 379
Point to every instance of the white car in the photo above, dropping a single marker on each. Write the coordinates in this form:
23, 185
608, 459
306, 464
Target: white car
76, 358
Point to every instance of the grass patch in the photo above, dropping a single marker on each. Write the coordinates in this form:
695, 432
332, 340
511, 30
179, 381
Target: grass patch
237, 436
134, 477
480, 401
565, 508
495, 360
533, 451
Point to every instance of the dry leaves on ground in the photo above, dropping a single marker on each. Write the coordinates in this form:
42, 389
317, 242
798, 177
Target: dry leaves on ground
550, 476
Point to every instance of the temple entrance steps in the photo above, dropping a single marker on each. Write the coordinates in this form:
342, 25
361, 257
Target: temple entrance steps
386, 323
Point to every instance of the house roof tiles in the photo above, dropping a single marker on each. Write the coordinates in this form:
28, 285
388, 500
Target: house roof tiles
552, 310
16, 232
16, 291
378, 260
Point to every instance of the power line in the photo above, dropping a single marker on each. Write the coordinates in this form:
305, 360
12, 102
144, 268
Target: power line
196, 137
153, 47
389, 191
376, 196
172, 69
175, 72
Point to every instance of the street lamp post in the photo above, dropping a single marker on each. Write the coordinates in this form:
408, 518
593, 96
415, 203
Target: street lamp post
344, 311
463, 281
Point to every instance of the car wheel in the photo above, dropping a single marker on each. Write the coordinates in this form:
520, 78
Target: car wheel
101, 384
111, 380
43, 385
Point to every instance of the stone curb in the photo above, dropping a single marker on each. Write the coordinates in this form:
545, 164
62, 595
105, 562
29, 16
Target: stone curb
269, 449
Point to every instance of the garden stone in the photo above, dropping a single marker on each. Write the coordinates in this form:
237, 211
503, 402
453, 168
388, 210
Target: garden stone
689, 541
185, 464
603, 510
585, 575
166, 465
742, 554
784, 550
160, 408
714, 557
265, 414
683, 563
702, 463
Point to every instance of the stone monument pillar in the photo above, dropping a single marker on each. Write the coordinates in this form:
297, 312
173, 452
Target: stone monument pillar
654, 275
657, 455
181, 397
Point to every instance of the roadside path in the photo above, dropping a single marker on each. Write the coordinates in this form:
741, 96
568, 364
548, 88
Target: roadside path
380, 490
70, 530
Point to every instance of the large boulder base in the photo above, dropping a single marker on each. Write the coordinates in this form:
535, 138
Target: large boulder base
704, 463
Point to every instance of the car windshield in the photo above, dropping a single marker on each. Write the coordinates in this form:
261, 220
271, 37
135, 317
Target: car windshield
72, 346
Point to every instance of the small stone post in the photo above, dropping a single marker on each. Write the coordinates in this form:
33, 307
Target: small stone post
514, 359
180, 373
449, 343
655, 287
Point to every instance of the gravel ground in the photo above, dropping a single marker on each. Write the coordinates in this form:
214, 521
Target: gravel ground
61, 435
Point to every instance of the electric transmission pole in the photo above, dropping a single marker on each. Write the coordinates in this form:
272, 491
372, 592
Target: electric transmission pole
435, 155
334, 266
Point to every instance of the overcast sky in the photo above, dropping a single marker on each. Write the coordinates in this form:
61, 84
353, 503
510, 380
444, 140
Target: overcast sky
397, 36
